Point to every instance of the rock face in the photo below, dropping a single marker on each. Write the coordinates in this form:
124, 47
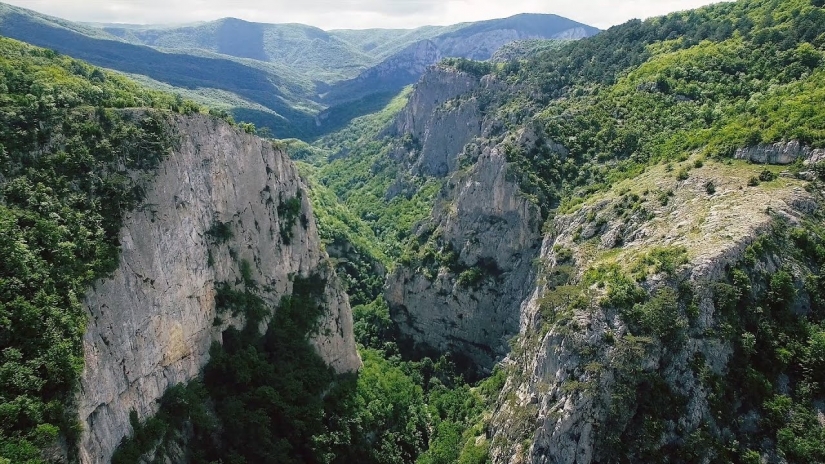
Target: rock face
566, 368
471, 308
439, 120
781, 153
461, 296
152, 322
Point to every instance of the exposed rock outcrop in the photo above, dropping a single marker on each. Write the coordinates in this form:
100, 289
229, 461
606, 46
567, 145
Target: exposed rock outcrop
781, 153
440, 118
471, 308
571, 359
152, 322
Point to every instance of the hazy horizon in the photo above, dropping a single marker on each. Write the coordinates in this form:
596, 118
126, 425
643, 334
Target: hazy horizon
349, 14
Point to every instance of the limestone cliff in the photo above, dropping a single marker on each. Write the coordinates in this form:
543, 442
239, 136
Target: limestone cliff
152, 322
484, 282
473, 266
576, 357
462, 294
781, 153
440, 118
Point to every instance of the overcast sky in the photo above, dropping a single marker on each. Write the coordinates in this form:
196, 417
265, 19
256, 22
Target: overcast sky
351, 14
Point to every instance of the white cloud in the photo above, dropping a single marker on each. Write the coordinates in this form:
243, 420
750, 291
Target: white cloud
330, 14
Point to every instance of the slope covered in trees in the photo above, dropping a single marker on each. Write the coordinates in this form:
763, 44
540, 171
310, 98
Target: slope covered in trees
276, 76
71, 164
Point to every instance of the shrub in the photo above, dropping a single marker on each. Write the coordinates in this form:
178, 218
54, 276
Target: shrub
767, 176
470, 278
819, 169
220, 232
710, 188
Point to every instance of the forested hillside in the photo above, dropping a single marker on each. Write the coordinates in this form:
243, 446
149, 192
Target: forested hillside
716, 79
72, 162
688, 91
278, 76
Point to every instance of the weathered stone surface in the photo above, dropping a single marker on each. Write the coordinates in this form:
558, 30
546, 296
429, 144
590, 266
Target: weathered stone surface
556, 399
438, 121
495, 231
151, 323
781, 153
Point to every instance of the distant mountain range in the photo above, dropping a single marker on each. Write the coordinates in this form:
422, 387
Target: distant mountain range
296, 80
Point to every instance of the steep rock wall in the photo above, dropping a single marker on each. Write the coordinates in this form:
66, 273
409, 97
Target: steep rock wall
440, 118
151, 323
781, 153
471, 309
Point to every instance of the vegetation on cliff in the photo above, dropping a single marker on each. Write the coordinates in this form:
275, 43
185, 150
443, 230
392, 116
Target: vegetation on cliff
696, 85
71, 164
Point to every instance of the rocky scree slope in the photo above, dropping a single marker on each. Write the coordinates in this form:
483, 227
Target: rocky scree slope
225, 207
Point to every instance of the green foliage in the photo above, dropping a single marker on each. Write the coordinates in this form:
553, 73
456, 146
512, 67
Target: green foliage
249, 128
288, 213
220, 232
659, 317
475, 68
819, 169
180, 406
71, 168
373, 325
767, 176
771, 340
658, 260
471, 277
360, 174
240, 302
710, 187
360, 263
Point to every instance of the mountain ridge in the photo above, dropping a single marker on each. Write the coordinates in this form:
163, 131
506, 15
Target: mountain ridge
292, 71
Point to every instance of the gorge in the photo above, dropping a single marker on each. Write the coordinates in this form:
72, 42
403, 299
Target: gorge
603, 250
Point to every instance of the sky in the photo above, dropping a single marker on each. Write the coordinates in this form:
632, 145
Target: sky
351, 14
